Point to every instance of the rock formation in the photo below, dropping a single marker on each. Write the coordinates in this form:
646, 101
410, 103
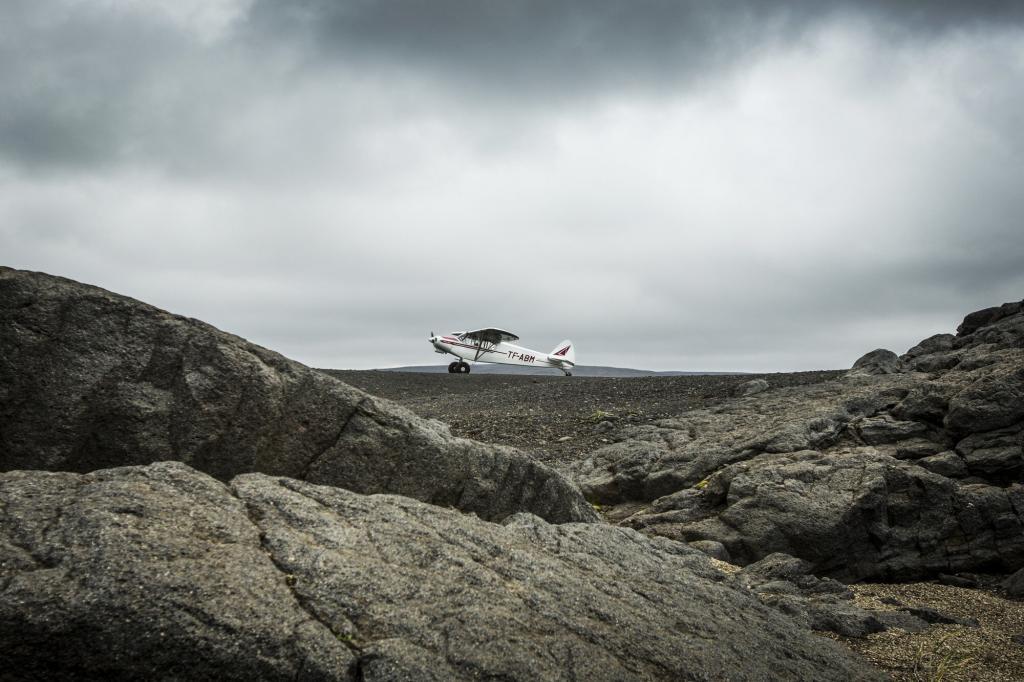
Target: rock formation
162, 571
90, 379
910, 466
264, 549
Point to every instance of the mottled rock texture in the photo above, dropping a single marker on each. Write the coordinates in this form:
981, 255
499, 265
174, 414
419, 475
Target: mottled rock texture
907, 467
91, 379
162, 572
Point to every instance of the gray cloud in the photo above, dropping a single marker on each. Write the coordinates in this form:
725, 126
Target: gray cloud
532, 46
737, 185
94, 83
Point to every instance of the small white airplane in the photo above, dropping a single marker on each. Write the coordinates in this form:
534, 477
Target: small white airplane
494, 345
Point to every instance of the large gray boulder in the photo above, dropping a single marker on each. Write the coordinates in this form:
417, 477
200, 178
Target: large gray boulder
878, 361
162, 572
91, 379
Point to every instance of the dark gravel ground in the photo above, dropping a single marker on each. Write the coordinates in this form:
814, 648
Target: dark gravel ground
553, 418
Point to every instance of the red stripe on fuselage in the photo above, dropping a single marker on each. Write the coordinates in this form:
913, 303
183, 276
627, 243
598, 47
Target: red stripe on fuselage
484, 350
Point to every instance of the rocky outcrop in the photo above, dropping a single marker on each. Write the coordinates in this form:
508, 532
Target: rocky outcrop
852, 514
90, 379
989, 317
657, 459
163, 572
907, 467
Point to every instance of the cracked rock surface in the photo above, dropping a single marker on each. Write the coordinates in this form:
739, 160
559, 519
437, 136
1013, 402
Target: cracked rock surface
907, 467
91, 379
162, 571
144, 573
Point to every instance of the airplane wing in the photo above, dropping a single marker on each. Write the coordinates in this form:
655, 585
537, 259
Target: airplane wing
491, 335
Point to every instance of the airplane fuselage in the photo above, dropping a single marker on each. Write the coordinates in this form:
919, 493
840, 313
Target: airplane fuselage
503, 353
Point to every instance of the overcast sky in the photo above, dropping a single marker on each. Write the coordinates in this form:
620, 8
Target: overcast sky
733, 185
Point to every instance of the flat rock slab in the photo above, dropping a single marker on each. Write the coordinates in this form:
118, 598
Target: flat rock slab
91, 379
163, 572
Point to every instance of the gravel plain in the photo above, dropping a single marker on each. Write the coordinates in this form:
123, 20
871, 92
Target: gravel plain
554, 418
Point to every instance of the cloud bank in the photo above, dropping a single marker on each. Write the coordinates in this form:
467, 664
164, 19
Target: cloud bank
728, 186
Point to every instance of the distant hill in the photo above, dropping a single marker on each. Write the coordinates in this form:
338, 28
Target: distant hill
580, 371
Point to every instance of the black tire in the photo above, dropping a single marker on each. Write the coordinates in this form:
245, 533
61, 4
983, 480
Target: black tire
453, 368
464, 367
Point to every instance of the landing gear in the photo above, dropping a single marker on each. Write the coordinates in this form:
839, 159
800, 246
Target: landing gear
458, 367
453, 368
463, 368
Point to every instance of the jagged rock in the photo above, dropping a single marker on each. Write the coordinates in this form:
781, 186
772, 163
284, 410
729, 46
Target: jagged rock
983, 318
995, 455
752, 387
830, 472
779, 566
971, 362
162, 572
885, 429
787, 584
715, 550
1014, 585
855, 515
937, 343
992, 402
878, 361
935, 363
948, 464
91, 379
916, 448
926, 402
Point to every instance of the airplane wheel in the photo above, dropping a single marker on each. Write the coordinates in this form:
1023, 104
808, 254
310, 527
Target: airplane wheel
464, 367
453, 368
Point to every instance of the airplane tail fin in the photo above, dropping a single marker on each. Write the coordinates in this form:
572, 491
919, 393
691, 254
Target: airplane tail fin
564, 353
